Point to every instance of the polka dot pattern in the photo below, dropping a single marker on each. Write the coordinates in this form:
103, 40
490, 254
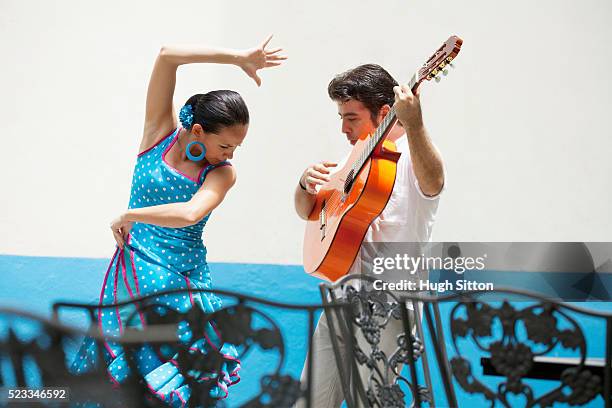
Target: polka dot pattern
157, 259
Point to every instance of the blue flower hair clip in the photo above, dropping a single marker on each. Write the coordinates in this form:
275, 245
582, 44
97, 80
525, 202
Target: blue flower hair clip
186, 116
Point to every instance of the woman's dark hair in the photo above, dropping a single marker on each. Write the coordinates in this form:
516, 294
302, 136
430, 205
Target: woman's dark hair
369, 84
218, 109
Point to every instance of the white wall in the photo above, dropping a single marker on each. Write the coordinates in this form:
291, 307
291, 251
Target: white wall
522, 123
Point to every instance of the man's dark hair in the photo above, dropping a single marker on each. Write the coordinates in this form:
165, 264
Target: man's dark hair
369, 84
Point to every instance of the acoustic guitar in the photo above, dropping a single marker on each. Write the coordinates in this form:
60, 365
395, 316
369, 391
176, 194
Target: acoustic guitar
357, 193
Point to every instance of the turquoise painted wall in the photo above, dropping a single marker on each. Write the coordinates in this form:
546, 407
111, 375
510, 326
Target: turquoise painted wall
34, 283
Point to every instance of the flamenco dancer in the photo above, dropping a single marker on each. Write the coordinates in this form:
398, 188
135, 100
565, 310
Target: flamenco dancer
182, 173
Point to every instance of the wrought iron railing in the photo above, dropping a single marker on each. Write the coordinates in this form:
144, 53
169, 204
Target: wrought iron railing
512, 333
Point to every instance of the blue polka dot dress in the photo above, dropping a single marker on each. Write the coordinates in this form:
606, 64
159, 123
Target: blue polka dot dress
157, 259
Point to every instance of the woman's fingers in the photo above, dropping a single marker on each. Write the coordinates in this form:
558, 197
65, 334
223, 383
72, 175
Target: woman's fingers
256, 78
125, 231
274, 51
266, 41
252, 73
118, 237
272, 64
275, 57
259, 58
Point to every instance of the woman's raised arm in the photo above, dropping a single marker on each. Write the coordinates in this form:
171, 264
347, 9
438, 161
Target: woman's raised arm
160, 118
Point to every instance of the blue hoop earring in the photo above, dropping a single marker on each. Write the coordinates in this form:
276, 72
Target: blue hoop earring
190, 156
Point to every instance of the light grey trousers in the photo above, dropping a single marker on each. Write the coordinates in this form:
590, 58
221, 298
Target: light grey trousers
326, 389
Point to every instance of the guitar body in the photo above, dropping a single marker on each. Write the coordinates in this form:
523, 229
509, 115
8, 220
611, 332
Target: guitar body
339, 220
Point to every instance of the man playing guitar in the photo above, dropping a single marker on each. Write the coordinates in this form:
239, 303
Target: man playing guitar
364, 95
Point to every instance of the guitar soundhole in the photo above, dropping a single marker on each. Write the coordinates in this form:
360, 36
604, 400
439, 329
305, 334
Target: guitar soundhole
349, 181
323, 221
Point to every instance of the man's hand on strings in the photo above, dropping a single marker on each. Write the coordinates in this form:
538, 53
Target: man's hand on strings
315, 175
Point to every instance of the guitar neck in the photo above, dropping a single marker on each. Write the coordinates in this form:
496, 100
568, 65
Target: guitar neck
382, 130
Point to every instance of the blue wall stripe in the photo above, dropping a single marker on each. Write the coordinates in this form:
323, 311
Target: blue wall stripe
34, 283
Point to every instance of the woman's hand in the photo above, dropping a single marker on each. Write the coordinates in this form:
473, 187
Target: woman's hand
121, 229
257, 58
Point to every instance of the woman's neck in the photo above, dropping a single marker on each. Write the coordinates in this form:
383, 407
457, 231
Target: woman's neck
181, 144
179, 156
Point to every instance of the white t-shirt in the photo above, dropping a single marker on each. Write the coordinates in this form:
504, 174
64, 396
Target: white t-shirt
409, 214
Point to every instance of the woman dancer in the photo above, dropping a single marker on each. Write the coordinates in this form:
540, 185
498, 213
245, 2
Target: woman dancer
181, 175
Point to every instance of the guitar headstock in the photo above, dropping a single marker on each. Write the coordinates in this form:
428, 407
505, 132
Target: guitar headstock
440, 60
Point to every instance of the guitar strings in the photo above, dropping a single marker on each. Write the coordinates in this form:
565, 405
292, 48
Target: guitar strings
334, 201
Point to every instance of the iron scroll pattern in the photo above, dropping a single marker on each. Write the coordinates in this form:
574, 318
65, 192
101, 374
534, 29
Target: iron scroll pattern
241, 324
535, 330
370, 313
33, 354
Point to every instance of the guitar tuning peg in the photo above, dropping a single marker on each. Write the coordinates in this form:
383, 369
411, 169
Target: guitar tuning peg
437, 79
445, 72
